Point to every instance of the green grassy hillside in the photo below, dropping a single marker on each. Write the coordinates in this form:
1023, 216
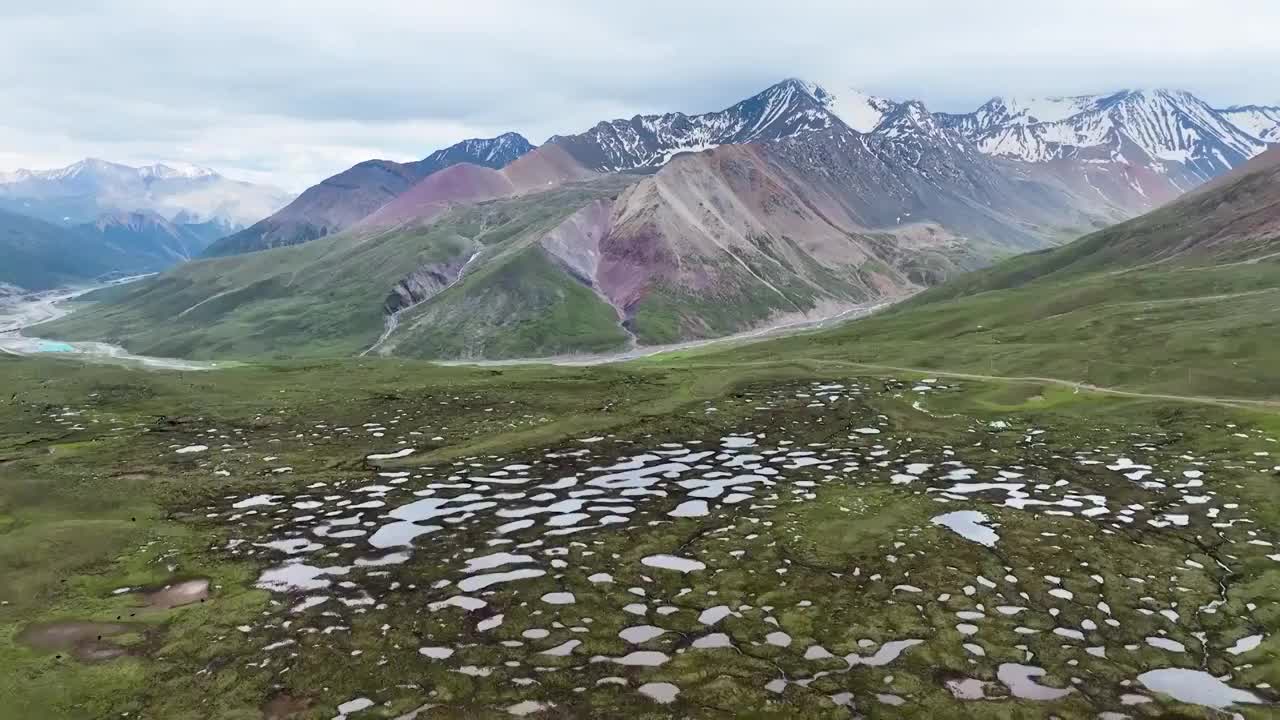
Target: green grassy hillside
525, 306
324, 298
1235, 219
1185, 299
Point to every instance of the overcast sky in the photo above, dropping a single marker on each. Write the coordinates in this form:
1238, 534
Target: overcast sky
290, 92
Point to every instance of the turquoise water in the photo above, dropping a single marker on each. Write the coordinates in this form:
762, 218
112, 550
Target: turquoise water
51, 346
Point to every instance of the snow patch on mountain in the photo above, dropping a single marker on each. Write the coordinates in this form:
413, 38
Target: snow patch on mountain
649, 141
175, 170
493, 152
855, 108
1260, 121
1132, 127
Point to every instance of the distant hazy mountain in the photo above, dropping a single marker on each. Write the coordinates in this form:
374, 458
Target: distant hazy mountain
81, 192
338, 202
151, 241
39, 255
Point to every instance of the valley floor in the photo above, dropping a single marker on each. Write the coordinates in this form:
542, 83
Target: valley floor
383, 539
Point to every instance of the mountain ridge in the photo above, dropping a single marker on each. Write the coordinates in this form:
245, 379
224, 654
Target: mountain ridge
40, 255
342, 200
82, 191
648, 141
1131, 175
1179, 300
1165, 124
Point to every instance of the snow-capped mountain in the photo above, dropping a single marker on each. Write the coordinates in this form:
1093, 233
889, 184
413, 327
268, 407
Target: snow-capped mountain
174, 171
891, 165
495, 152
1116, 154
92, 172
649, 141
1168, 131
84, 190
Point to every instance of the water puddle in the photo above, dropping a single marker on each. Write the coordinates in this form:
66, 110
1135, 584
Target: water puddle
970, 525
522, 565
1195, 687
671, 562
1020, 681
86, 641
182, 593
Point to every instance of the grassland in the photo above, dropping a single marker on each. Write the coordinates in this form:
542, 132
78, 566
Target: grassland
1207, 331
94, 498
766, 530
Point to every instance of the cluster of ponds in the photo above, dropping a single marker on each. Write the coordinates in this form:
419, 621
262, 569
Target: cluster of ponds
610, 559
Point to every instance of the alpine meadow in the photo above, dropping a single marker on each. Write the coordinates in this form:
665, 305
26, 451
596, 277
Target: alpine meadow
478, 381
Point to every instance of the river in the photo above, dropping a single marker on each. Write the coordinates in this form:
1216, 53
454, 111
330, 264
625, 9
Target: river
24, 312
28, 311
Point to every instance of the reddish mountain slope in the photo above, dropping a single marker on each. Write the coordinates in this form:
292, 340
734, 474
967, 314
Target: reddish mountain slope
541, 169
348, 197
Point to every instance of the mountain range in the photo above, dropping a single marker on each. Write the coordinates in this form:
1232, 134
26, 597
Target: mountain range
801, 201
79, 193
97, 219
1132, 150
340, 201
40, 255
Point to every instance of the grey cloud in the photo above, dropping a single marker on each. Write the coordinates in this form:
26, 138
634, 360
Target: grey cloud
397, 80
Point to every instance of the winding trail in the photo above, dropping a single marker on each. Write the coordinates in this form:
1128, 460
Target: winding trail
1073, 384
214, 296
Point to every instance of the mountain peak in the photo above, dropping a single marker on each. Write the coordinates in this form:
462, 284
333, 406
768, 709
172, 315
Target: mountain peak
1260, 121
494, 152
98, 166
782, 110
89, 165
512, 136
1251, 106
174, 170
